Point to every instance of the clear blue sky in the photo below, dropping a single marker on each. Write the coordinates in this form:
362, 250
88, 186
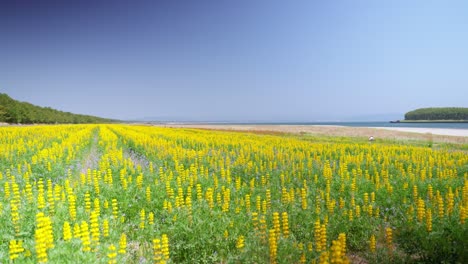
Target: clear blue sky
236, 60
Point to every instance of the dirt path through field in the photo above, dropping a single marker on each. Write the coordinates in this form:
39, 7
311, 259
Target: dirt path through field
91, 160
136, 158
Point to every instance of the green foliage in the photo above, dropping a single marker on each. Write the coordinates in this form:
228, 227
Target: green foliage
447, 244
78, 159
13, 111
441, 113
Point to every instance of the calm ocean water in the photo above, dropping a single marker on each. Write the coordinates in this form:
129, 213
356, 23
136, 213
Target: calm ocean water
367, 124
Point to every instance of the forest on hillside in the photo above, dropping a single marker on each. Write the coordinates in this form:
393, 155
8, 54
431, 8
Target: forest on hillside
16, 112
438, 113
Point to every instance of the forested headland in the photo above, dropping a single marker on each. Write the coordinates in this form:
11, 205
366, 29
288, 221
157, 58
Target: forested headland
438, 114
16, 112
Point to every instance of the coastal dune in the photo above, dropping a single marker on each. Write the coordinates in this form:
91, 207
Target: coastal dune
397, 133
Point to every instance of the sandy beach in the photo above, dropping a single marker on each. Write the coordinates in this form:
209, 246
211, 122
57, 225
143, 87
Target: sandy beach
397, 133
435, 131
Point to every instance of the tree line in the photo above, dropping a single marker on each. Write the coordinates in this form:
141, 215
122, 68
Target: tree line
13, 111
438, 113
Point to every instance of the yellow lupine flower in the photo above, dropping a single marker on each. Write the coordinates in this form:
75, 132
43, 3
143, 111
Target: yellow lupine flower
372, 243
240, 242
285, 224
389, 237
85, 236
157, 252
276, 224
112, 255
67, 234
273, 245
123, 244
15, 249
165, 246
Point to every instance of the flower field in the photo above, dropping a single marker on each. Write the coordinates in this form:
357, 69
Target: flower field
140, 194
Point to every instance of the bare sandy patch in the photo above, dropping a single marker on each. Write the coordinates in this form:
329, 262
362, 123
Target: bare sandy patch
435, 131
450, 136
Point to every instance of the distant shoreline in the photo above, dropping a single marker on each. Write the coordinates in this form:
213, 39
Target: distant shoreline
343, 124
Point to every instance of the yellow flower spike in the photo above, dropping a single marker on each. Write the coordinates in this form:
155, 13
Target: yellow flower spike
139, 181
240, 242
389, 238
273, 245
105, 228
318, 236
29, 193
97, 207
463, 214
41, 203
255, 221
77, 231
85, 236
370, 210
209, 197
112, 255
285, 224
87, 200
15, 216
430, 193
157, 251
151, 218
263, 228
420, 210
67, 233
199, 192
342, 239
165, 247
450, 202
142, 219
148, 194
372, 244
43, 237
323, 236
304, 199
276, 224
95, 232
115, 208
324, 257
72, 205
58, 193
429, 220
268, 199
123, 244
15, 249
247, 202
83, 179
358, 211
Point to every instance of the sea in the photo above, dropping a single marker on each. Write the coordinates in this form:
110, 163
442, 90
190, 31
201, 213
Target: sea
351, 124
